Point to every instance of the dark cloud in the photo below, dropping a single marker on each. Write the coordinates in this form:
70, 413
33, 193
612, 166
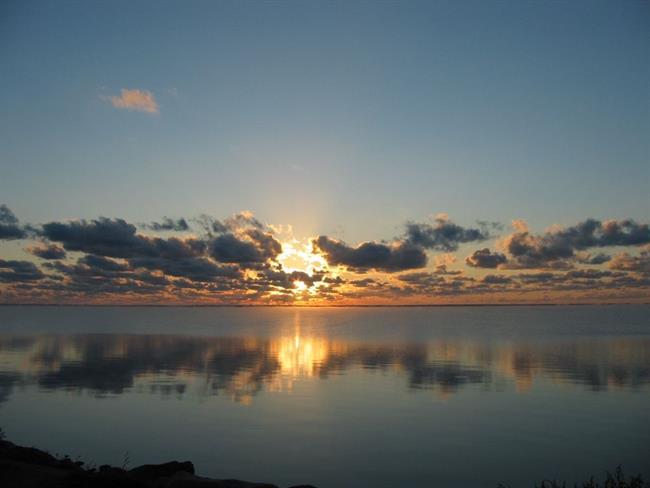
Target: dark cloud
599, 258
496, 280
102, 263
554, 248
444, 235
168, 224
408, 252
621, 233
177, 257
51, 251
91, 266
104, 237
269, 278
19, 271
10, 227
116, 238
371, 255
254, 247
193, 268
483, 258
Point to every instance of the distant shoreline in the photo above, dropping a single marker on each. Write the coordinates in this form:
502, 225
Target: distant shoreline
262, 305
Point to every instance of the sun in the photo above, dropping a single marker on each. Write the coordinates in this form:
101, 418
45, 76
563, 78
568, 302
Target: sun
298, 256
300, 285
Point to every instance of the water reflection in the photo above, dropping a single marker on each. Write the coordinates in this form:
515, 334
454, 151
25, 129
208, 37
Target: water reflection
241, 367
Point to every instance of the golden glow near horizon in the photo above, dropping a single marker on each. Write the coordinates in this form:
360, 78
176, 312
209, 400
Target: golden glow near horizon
298, 255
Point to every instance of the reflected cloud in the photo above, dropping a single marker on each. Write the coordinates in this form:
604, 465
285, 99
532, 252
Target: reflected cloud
241, 367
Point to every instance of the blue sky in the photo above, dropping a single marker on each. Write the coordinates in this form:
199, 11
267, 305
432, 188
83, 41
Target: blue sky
346, 118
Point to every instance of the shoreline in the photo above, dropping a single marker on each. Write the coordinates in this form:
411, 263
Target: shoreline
29, 467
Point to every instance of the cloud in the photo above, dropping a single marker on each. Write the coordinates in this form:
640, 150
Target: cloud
587, 258
626, 262
167, 224
19, 271
191, 258
118, 239
139, 100
496, 280
406, 252
557, 247
443, 235
51, 251
371, 255
9, 225
254, 246
194, 268
236, 223
239, 260
483, 258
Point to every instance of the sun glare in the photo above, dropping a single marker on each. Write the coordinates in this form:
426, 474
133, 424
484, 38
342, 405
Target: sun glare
299, 256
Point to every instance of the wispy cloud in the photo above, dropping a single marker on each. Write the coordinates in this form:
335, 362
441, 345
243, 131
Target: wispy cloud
140, 100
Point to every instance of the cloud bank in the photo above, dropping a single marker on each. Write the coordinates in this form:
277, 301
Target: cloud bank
241, 260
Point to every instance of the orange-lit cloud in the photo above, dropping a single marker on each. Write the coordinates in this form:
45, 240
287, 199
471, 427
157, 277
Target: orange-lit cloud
139, 100
241, 260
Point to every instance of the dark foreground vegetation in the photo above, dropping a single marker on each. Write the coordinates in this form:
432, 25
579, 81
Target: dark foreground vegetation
28, 467
617, 479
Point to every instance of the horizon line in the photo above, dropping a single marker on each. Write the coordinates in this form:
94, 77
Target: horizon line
263, 305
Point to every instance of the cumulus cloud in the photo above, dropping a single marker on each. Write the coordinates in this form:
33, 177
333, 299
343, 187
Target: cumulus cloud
241, 239
10, 227
371, 255
118, 239
103, 236
192, 268
483, 258
19, 271
406, 252
254, 247
555, 248
51, 251
139, 100
443, 235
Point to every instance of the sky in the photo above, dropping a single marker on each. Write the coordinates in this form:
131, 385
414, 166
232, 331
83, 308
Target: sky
343, 120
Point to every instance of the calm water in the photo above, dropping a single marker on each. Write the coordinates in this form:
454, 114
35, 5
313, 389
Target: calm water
381, 397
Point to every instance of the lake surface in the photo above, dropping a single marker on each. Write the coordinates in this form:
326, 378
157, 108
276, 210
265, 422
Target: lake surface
336, 397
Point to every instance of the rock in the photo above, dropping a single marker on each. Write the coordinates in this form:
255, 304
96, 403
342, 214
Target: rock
30, 455
182, 480
106, 469
165, 470
26, 475
27, 467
